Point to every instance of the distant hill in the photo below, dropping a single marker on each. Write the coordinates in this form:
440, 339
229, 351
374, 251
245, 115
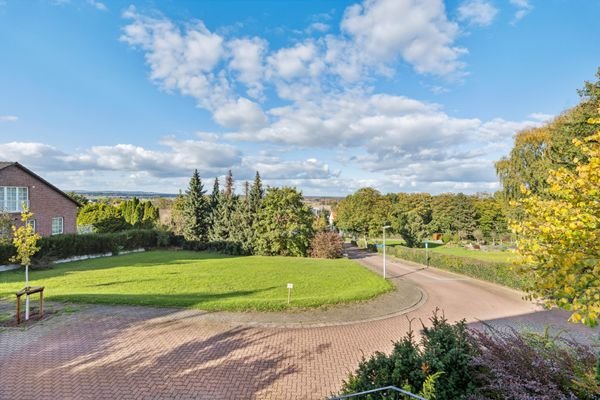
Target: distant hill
116, 194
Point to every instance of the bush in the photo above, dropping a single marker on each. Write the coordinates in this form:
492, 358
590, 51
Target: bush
501, 273
440, 364
7, 251
224, 247
326, 245
533, 366
72, 245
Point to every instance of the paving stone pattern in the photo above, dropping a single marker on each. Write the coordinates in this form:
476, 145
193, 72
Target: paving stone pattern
104, 352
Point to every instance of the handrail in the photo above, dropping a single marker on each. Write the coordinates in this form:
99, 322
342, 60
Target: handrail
394, 388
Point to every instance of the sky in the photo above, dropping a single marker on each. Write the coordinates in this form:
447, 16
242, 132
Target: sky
327, 96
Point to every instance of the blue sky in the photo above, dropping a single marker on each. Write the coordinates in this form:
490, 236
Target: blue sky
328, 96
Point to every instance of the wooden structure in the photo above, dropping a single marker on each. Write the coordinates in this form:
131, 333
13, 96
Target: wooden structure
29, 291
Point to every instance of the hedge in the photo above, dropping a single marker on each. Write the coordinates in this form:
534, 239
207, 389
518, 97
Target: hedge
72, 245
501, 273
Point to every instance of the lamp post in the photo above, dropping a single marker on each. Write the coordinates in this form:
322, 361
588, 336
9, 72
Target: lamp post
384, 228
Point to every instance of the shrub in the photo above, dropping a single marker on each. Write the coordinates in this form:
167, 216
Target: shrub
224, 247
71, 245
501, 273
7, 251
439, 365
326, 245
532, 366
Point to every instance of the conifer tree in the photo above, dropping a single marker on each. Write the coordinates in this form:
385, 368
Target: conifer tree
222, 223
256, 194
195, 211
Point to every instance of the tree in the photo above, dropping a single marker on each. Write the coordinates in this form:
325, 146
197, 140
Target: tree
256, 194
559, 235
364, 212
6, 223
326, 245
25, 240
103, 217
195, 211
222, 217
284, 224
538, 150
79, 198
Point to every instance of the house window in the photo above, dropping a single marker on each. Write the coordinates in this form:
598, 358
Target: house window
31, 223
12, 199
57, 225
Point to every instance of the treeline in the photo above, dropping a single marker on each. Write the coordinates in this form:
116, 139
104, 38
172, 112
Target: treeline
272, 221
417, 216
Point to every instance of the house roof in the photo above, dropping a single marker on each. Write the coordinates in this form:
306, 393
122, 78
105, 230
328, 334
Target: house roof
5, 164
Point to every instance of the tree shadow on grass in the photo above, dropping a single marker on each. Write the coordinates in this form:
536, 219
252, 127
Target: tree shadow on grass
193, 299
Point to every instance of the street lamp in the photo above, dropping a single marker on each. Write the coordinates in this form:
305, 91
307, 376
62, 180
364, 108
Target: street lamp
384, 228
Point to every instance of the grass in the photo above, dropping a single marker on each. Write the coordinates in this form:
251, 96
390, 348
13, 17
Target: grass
203, 280
491, 256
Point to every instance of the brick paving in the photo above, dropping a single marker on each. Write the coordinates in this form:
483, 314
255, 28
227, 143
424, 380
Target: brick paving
106, 352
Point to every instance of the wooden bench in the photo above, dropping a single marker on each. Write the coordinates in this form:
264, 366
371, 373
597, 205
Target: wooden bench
29, 291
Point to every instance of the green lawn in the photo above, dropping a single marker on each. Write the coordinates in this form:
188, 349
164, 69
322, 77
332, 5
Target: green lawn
492, 256
203, 280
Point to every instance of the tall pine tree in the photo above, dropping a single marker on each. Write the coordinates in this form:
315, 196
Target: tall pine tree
195, 211
222, 224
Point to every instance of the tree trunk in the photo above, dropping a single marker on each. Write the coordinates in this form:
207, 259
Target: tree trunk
27, 295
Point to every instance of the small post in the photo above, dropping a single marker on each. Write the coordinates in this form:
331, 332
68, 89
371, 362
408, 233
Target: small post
290, 286
384, 258
427, 252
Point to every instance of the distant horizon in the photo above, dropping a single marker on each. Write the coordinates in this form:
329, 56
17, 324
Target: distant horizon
327, 97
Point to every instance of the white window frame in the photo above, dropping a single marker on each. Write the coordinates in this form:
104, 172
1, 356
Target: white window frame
18, 193
62, 225
32, 223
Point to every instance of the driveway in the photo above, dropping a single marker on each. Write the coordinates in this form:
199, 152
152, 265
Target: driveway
146, 353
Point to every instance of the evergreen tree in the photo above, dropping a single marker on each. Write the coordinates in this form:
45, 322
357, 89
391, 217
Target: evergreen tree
195, 212
214, 196
222, 223
256, 194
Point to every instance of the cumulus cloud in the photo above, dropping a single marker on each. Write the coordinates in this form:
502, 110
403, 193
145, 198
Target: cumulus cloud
477, 12
419, 32
247, 60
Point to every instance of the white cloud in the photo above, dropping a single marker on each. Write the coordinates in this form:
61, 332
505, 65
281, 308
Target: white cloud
524, 7
318, 27
477, 12
247, 60
418, 31
98, 5
242, 114
8, 118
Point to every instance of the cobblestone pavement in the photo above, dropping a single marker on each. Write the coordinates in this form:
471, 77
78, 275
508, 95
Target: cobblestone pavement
102, 352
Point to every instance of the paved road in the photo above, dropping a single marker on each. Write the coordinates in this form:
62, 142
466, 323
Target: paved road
146, 353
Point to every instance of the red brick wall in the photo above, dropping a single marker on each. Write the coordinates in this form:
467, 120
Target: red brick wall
44, 202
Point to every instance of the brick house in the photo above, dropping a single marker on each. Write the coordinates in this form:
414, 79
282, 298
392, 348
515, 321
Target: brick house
54, 212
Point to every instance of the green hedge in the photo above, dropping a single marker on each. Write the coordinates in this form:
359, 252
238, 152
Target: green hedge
501, 273
66, 246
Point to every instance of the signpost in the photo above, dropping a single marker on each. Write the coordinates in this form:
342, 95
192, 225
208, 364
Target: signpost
427, 252
290, 286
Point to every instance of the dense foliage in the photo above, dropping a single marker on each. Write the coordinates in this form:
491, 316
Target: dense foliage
196, 211
414, 216
326, 244
59, 247
539, 150
444, 352
559, 236
452, 362
106, 217
284, 224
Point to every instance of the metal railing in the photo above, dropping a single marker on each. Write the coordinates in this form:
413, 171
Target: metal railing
387, 393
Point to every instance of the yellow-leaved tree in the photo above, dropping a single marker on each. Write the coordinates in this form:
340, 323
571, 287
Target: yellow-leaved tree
559, 236
25, 240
